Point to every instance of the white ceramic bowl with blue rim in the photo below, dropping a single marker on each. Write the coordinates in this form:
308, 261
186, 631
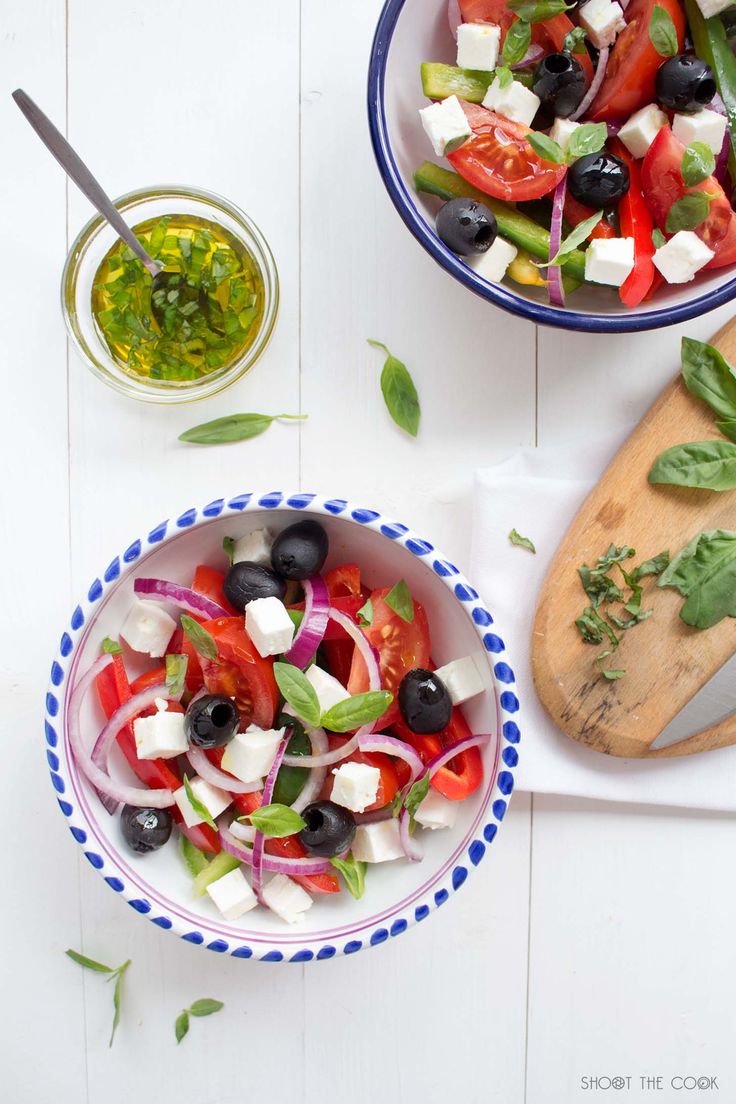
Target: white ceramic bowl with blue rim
397, 894
410, 32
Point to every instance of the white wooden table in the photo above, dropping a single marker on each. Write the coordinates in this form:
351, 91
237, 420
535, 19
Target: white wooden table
596, 941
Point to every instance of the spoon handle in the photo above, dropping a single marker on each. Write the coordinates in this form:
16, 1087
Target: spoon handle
80, 174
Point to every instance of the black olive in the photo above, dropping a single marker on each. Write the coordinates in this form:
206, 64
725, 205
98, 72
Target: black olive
466, 226
330, 829
559, 81
247, 581
211, 721
424, 701
685, 83
300, 551
145, 830
598, 179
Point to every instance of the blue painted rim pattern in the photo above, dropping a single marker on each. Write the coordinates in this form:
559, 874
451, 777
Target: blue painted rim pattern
502, 296
219, 938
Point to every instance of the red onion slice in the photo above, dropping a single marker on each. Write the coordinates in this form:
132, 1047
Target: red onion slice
411, 848
259, 839
210, 773
454, 16
327, 758
555, 288
271, 863
595, 84
375, 816
160, 590
119, 719
456, 749
244, 832
533, 55
317, 775
127, 795
389, 745
312, 629
364, 646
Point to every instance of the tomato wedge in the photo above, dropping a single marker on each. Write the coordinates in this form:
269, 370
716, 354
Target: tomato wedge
499, 160
636, 222
240, 672
290, 847
209, 582
462, 775
401, 646
662, 185
633, 64
575, 212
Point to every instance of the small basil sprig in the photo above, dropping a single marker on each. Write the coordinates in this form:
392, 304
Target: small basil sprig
537, 11
176, 669
234, 427
353, 871
111, 647
401, 602
575, 238
356, 711
688, 212
201, 640
199, 807
516, 43
574, 42
113, 972
275, 821
298, 691
416, 796
521, 542
228, 547
504, 76
587, 138
399, 392
704, 573
205, 1006
698, 163
365, 614
546, 147
662, 33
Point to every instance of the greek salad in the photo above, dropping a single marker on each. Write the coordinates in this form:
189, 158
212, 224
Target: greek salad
598, 138
291, 724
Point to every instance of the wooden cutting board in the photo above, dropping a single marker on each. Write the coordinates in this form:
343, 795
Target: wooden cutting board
666, 661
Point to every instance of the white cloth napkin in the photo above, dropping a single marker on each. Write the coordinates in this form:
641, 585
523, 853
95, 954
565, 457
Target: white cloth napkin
538, 492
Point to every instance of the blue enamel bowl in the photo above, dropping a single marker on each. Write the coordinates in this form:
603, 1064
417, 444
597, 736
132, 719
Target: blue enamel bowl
398, 894
410, 32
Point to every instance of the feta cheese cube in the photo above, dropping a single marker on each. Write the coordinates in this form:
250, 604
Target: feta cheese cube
148, 628
215, 801
477, 45
161, 736
269, 626
682, 256
232, 894
436, 811
562, 131
328, 689
287, 899
250, 754
609, 260
446, 125
704, 126
492, 264
355, 786
602, 20
513, 100
378, 842
462, 679
254, 547
641, 128
710, 8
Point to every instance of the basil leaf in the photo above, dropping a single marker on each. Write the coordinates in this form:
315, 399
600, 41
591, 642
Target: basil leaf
276, 821
399, 392
202, 641
658, 238
181, 1026
228, 547
576, 237
205, 1006
194, 859
688, 213
662, 33
111, 647
298, 691
704, 572
297, 616
587, 138
353, 872
521, 542
698, 163
612, 675
200, 809
356, 711
593, 628
537, 11
116, 997
516, 43
417, 794
504, 76
546, 147
401, 602
709, 376
88, 963
574, 42
365, 614
654, 566
728, 429
176, 669
709, 465
234, 427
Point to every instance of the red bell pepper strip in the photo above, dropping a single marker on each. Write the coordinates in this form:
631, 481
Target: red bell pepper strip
113, 689
462, 775
575, 212
636, 222
288, 848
